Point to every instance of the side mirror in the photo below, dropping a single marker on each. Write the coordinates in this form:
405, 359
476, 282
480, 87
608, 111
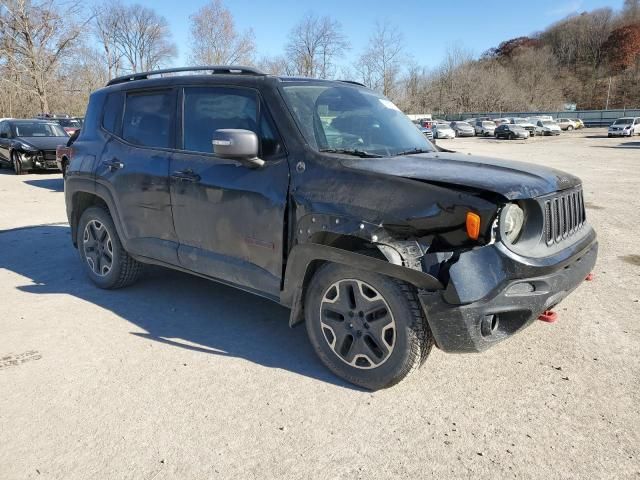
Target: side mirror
237, 144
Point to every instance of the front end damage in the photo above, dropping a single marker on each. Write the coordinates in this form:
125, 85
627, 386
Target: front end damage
473, 297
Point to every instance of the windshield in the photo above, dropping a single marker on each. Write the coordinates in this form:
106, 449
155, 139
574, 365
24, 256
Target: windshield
463, 124
548, 123
488, 124
38, 129
623, 121
70, 122
353, 119
519, 121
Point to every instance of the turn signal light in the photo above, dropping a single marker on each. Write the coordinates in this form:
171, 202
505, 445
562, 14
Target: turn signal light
473, 225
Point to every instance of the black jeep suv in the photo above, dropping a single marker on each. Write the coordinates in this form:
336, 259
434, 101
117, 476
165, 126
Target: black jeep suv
324, 197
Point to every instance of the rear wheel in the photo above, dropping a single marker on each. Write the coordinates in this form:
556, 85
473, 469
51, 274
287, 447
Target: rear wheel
366, 328
512, 136
105, 260
569, 128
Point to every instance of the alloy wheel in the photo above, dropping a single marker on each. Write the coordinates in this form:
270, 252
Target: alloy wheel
357, 323
98, 248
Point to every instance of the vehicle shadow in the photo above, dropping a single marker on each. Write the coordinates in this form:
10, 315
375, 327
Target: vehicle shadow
171, 307
52, 184
621, 145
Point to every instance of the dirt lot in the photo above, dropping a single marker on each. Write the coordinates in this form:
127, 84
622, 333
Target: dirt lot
182, 378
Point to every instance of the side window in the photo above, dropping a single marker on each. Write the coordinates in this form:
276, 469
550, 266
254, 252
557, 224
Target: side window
147, 119
4, 131
206, 110
112, 113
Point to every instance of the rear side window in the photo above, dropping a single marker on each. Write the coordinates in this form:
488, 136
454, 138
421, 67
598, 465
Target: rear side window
147, 119
112, 114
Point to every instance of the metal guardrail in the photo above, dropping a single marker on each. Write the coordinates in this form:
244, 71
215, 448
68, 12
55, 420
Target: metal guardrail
591, 118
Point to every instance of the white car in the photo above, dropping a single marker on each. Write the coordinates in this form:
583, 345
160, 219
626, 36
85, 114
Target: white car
443, 130
486, 128
547, 127
567, 124
625, 127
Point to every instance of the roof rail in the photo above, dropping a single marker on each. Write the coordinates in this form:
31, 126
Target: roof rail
353, 82
214, 69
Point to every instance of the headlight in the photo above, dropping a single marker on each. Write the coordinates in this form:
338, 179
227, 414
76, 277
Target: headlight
512, 220
26, 146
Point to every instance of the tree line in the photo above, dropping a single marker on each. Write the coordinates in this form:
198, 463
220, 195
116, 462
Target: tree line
53, 53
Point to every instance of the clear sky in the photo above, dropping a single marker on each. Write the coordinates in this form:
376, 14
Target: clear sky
428, 26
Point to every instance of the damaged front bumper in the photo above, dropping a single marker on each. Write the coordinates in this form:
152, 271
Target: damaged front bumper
493, 293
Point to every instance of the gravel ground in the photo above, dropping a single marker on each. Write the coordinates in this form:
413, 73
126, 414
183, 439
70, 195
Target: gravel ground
178, 377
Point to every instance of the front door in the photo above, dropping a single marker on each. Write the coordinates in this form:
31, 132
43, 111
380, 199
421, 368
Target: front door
229, 218
5, 140
134, 167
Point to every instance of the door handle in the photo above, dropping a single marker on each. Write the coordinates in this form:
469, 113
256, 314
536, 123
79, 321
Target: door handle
113, 164
187, 175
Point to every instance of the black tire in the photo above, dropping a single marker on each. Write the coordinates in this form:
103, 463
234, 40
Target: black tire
123, 269
17, 165
411, 340
609, 135
64, 164
512, 136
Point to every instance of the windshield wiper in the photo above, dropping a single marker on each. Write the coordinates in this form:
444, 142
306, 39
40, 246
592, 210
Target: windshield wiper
413, 151
355, 152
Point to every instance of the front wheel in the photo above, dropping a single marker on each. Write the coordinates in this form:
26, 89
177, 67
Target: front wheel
17, 165
569, 128
105, 260
367, 328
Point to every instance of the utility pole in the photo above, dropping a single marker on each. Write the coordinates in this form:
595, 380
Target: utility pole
608, 93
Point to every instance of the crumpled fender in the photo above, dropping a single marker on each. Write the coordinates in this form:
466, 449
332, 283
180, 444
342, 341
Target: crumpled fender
303, 255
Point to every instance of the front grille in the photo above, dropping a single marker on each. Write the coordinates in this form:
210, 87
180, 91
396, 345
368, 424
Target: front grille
49, 155
564, 215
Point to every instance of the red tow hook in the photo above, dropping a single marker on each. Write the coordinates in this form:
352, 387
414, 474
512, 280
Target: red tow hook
589, 277
548, 316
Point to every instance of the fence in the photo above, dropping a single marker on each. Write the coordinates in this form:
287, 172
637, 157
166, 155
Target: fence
591, 118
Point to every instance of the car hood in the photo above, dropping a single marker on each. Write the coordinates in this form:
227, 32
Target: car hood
513, 180
44, 143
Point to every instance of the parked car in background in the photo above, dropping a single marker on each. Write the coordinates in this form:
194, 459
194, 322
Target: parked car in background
566, 124
30, 144
462, 129
524, 123
70, 125
428, 132
500, 121
547, 127
625, 127
64, 153
485, 128
511, 131
443, 130
579, 123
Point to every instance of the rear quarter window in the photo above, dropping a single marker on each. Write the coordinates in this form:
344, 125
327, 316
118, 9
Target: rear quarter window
112, 113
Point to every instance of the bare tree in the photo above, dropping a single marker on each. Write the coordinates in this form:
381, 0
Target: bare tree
214, 39
143, 39
34, 38
106, 23
315, 44
380, 64
278, 65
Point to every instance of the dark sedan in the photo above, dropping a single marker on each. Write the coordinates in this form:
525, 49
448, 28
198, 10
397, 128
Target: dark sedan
511, 131
30, 144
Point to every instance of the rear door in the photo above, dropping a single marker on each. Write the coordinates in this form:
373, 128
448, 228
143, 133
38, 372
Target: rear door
229, 218
134, 167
